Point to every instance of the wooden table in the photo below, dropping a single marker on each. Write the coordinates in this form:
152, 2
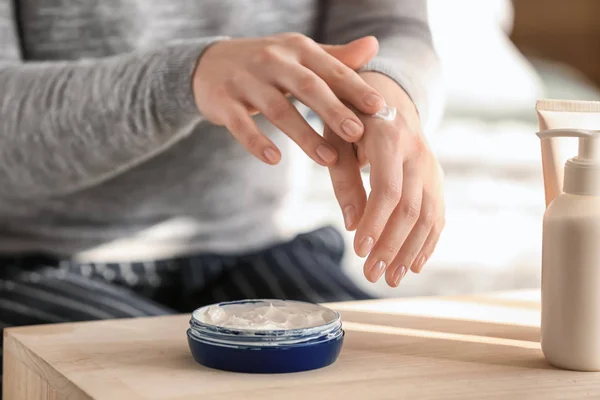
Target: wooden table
472, 347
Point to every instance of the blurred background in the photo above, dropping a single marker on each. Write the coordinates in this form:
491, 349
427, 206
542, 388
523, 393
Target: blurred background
498, 58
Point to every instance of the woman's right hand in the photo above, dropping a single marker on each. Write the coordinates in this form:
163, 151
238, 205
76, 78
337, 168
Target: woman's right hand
238, 78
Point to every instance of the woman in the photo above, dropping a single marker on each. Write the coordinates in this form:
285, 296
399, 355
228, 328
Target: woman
144, 163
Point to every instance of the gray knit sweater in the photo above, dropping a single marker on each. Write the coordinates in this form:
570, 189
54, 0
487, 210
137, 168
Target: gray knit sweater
103, 154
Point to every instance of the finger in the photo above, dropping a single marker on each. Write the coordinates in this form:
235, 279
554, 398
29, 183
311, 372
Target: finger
400, 224
361, 157
345, 82
407, 256
356, 53
383, 150
244, 129
282, 113
347, 181
311, 90
348, 85
434, 236
428, 247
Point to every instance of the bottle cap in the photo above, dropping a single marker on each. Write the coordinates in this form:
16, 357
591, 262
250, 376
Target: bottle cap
582, 173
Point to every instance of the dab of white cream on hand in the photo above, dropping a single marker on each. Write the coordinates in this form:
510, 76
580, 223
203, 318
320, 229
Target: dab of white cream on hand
387, 113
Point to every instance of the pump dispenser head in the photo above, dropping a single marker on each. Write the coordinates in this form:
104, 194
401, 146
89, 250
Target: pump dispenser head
582, 173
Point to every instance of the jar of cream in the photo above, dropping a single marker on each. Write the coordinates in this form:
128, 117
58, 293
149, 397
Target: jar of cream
265, 336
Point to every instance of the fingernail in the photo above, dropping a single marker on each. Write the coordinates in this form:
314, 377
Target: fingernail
419, 264
377, 270
352, 128
326, 154
271, 155
365, 246
373, 100
349, 216
399, 274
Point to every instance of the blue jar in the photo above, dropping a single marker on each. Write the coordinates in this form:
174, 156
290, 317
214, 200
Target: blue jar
253, 350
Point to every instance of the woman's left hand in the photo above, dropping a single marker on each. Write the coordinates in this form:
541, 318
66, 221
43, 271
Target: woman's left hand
398, 227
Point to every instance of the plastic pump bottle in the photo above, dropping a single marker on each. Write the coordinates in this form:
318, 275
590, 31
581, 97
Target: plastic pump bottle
570, 325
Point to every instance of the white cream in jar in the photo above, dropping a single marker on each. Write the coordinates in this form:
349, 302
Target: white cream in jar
265, 315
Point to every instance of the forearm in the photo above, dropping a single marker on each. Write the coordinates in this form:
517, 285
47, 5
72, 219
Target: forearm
67, 125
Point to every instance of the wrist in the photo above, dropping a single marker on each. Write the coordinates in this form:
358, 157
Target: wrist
394, 96
170, 71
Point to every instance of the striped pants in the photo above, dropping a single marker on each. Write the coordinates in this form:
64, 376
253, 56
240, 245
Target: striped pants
39, 290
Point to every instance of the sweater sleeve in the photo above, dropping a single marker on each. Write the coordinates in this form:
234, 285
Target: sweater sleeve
406, 52
67, 125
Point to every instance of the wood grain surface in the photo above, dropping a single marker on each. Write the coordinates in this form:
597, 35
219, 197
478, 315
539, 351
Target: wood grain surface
469, 347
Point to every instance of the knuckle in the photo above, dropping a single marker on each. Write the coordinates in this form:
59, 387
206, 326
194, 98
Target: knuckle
428, 218
390, 249
421, 151
344, 187
392, 192
304, 142
231, 83
410, 210
341, 72
238, 79
236, 124
268, 54
218, 92
393, 137
298, 39
338, 113
308, 84
253, 142
277, 109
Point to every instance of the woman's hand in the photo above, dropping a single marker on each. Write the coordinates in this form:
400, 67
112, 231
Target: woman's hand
238, 78
399, 225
